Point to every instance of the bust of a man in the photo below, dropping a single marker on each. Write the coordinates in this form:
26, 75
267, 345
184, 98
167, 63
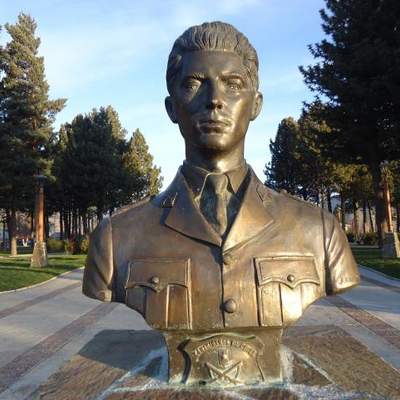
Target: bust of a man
219, 262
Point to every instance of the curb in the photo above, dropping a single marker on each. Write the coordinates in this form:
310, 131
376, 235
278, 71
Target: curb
388, 277
40, 283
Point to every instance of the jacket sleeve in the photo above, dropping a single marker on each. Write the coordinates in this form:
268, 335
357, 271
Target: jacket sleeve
99, 269
341, 268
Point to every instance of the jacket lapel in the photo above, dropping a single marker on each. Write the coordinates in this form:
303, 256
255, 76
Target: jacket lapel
184, 216
254, 214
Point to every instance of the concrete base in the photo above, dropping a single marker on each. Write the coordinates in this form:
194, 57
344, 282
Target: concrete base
320, 362
391, 246
39, 256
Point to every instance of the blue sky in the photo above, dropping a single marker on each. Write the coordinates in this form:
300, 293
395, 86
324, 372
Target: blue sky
115, 52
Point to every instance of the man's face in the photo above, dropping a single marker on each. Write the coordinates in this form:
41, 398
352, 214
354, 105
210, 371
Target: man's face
213, 100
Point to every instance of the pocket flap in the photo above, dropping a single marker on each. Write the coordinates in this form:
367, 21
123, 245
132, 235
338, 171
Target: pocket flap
157, 273
289, 270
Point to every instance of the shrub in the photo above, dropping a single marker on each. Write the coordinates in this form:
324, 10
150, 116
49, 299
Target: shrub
77, 245
71, 246
370, 238
55, 245
84, 245
350, 236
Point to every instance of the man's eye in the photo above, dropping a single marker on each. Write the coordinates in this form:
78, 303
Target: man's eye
191, 84
234, 84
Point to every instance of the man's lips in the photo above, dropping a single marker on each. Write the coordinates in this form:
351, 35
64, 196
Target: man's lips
214, 123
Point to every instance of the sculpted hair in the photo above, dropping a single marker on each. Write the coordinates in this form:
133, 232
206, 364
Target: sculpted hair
212, 36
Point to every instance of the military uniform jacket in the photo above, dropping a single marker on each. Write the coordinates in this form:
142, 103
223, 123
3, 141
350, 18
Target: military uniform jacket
162, 258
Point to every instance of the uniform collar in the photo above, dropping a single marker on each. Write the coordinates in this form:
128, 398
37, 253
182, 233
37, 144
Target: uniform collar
183, 215
196, 177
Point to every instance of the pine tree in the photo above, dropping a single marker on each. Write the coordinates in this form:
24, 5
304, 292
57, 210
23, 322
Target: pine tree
96, 167
26, 117
283, 170
143, 178
89, 166
358, 72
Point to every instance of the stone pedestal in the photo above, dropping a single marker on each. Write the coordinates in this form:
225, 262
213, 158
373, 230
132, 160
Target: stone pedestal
391, 246
39, 256
321, 362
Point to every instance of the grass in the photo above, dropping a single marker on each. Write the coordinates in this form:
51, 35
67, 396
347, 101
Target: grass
15, 272
372, 258
21, 250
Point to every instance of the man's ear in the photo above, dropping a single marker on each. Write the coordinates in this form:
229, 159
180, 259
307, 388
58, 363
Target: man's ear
169, 106
257, 105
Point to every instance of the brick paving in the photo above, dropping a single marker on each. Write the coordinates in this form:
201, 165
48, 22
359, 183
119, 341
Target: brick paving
374, 324
18, 367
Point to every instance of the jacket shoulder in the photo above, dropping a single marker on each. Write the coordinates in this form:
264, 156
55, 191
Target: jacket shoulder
298, 201
130, 209
295, 207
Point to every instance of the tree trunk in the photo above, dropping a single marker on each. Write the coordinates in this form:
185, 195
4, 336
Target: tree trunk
371, 220
85, 221
4, 234
342, 211
61, 224
388, 204
66, 227
12, 230
355, 220
318, 199
328, 199
68, 220
364, 211
322, 197
79, 218
46, 226
75, 222
99, 214
380, 214
398, 216
32, 216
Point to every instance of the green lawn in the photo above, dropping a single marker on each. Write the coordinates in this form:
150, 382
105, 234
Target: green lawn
15, 272
371, 257
20, 249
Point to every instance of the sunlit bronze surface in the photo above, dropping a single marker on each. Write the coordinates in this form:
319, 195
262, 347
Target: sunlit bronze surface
221, 274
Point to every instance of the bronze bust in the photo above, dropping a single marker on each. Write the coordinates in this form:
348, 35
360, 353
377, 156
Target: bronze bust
218, 262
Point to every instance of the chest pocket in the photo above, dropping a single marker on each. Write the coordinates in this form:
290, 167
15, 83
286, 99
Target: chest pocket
286, 285
160, 289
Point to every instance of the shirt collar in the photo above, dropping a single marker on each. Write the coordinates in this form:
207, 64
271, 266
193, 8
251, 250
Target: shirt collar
196, 177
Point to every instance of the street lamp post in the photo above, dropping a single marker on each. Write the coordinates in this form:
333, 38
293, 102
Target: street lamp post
39, 257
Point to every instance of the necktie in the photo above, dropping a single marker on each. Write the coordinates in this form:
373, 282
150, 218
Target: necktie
213, 202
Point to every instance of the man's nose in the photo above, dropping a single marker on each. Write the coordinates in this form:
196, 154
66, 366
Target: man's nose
214, 100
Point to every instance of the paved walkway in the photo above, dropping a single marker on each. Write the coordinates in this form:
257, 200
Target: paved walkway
42, 327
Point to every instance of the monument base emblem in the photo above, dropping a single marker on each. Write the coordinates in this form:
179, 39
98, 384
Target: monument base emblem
225, 358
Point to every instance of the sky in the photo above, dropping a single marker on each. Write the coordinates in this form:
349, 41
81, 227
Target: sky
100, 53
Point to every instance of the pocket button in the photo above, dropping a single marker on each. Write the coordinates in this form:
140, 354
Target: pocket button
155, 280
230, 306
291, 278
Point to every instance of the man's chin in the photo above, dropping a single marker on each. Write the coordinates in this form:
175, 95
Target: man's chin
214, 141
